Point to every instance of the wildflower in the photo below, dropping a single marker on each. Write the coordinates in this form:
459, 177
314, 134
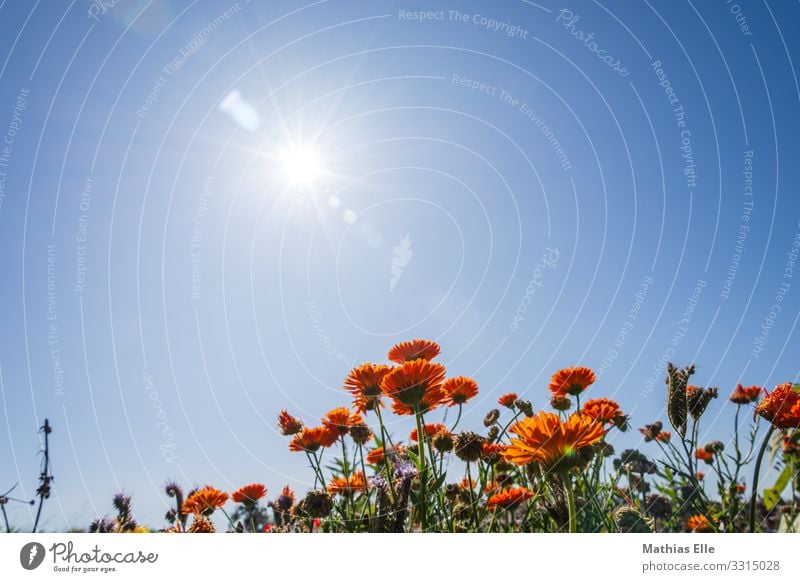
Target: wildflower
315, 504
430, 430
508, 498
469, 446
459, 390
507, 400
698, 523
664, 437
493, 452
288, 424
741, 488
697, 399
704, 455
700, 475
742, 395
311, 439
602, 410
415, 386
404, 470
443, 441
635, 462
102, 525
524, 406
571, 381
414, 350
651, 431
364, 383
781, 407
467, 483
546, 440
560, 403
201, 524
285, 500
204, 501
715, 447
659, 506
491, 417
375, 456
348, 485
340, 420
360, 433
249, 493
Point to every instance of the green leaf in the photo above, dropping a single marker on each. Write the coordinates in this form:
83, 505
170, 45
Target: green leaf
773, 495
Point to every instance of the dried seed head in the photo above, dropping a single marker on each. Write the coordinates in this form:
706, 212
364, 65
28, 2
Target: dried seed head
629, 520
491, 417
469, 446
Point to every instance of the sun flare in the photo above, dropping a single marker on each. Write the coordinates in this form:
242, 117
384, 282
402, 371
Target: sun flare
301, 165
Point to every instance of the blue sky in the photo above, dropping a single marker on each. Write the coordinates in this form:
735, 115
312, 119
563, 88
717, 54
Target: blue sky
546, 198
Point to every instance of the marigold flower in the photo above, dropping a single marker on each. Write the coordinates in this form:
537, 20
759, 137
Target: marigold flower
285, 500
664, 437
416, 386
204, 501
560, 403
347, 485
364, 383
700, 475
375, 456
468, 483
742, 395
603, 410
414, 350
741, 488
459, 389
201, 524
341, 419
430, 430
698, 523
493, 452
704, 455
249, 493
781, 407
571, 381
546, 440
311, 439
508, 498
288, 424
507, 400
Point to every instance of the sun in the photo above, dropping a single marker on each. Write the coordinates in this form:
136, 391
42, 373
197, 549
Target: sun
301, 165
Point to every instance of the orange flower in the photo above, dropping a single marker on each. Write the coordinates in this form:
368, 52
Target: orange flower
346, 485
781, 406
704, 455
507, 400
664, 436
508, 498
288, 424
603, 410
571, 381
468, 483
417, 349
430, 430
204, 501
742, 395
459, 390
377, 455
700, 475
698, 523
493, 451
492, 486
415, 386
364, 383
311, 439
553, 444
249, 493
340, 420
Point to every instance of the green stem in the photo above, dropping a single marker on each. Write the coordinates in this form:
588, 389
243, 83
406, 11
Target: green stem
754, 496
573, 518
421, 468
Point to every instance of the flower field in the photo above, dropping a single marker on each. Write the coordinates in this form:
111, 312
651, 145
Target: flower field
528, 471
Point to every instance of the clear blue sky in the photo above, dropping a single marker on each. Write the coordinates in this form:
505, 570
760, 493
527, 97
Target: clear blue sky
166, 290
